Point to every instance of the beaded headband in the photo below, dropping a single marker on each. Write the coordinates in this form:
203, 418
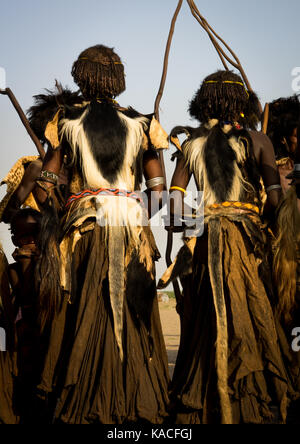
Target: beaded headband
228, 82
86, 59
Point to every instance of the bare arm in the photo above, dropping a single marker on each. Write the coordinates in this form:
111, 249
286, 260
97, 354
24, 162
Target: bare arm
180, 179
181, 176
265, 158
153, 169
22, 192
52, 163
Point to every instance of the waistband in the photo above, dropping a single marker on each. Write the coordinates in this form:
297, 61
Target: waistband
243, 206
103, 192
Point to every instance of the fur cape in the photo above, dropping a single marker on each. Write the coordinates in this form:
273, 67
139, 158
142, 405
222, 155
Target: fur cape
222, 161
104, 146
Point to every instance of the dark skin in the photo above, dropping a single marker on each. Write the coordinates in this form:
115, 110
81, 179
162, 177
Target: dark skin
24, 233
265, 158
25, 229
152, 169
26, 187
52, 163
293, 142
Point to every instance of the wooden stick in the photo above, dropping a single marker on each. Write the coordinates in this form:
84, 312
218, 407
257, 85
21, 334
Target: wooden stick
214, 37
8, 92
265, 121
168, 258
166, 61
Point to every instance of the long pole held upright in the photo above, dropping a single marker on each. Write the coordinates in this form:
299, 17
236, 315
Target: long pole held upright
156, 112
217, 41
227, 56
8, 92
166, 60
164, 77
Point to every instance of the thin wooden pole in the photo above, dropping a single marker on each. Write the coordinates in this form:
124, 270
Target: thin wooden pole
8, 92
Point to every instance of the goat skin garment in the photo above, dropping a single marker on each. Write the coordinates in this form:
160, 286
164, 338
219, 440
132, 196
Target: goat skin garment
256, 379
8, 369
83, 368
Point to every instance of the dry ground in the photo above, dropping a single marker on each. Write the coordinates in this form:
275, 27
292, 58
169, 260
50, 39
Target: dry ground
171, 330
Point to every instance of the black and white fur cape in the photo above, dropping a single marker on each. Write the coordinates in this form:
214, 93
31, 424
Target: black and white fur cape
222, 161
104, 145
106, 141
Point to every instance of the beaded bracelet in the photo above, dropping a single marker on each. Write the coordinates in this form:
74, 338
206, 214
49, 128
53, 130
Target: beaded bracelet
48, 176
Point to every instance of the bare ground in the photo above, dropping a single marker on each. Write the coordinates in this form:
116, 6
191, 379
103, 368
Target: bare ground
171, 330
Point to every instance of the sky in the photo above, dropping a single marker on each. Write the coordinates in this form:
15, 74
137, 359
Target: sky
40, 39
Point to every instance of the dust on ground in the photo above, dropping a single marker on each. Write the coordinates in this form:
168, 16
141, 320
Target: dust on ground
171, 329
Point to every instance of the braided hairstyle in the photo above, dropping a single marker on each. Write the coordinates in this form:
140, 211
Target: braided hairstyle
99, 73
284, 117
223, 96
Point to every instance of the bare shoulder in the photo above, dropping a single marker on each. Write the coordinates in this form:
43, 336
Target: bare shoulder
262, 144
260, 139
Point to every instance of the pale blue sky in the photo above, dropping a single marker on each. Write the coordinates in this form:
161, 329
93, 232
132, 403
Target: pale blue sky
40, 39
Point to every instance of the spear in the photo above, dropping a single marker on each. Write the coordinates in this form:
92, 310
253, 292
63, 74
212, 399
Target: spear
8, 92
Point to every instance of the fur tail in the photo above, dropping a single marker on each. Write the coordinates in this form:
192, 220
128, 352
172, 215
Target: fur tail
48, 266
285, 258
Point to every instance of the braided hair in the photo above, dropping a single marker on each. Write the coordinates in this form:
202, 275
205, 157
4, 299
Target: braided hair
99, 73
223, 96
284, 117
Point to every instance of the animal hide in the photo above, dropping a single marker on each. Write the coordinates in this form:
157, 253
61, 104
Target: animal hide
216, 158
106, 142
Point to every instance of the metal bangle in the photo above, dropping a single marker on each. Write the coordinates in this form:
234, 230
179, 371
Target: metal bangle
273, 187
155, 182
49, 176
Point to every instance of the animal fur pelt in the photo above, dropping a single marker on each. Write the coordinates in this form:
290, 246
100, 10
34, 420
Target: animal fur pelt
105, 142
222, 161
285, 263
46, 106
47, 270
182, 265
